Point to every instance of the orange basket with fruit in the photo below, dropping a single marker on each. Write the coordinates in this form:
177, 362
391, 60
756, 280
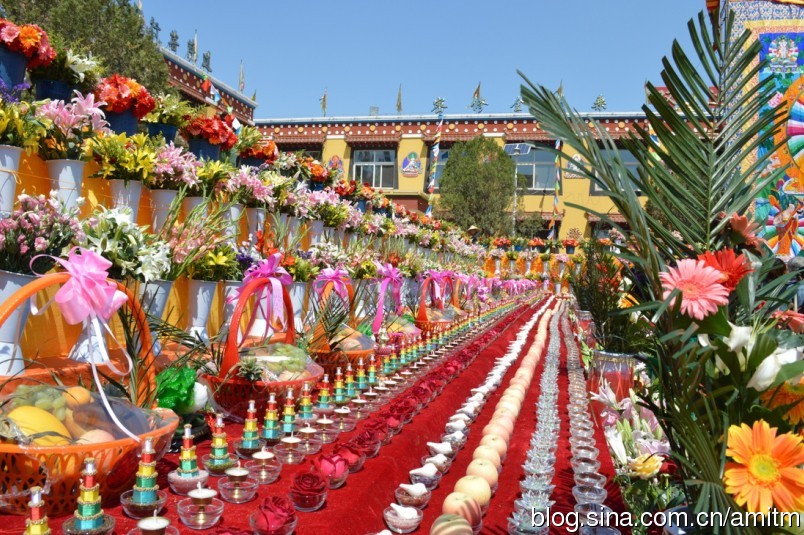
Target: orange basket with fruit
48, 431
232, 387
441, 310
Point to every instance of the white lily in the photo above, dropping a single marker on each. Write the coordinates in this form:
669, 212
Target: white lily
739, 339
616, 445
766, 373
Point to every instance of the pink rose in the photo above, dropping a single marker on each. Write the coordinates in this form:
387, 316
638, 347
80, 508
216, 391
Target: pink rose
333, 466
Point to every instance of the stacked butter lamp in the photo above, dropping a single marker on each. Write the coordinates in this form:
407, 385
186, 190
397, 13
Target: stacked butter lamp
250, 443
145, 499
187, 476
270, 426
36, 523
89, 518
219, 459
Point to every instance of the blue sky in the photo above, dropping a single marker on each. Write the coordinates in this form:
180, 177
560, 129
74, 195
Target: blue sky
360, 51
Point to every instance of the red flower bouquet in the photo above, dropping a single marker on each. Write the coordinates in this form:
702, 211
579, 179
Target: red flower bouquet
267, 151
121, 94
570, 243
213, 129
318, 173
536, 242
501, 242
29, 40
345, 188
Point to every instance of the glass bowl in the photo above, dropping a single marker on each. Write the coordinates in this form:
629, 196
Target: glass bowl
265, 472
289, 453
401, 525
142, 510
429, 482
592, 479
183, 485
419, 502
306, 501
589, 530
170, 530
585, 451
245, 452
337, 482
217, 469
592, 513
287, 529
199, 517
589, 494
238, 492
584, 464
442, 467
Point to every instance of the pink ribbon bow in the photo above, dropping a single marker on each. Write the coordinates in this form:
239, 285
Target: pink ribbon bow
87, 294
339, 279
439, 288
270, 269
386, 274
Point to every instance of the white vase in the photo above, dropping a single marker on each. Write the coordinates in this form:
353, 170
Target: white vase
561, 267
230, 289
546, 267
161, 201
233, 215
9, 165
558, 288
497, 266
256, 220
298, 296
340, 237
126, 193
293, 227
191, 203
154, 297
199, 304
11, 358
315, 230
66, 177
329, 235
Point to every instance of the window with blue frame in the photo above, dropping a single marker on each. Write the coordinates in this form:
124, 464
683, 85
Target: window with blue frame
375, 167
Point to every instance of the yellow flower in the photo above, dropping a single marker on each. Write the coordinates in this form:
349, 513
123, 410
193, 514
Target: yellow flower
217, 259
765, 472
645, 466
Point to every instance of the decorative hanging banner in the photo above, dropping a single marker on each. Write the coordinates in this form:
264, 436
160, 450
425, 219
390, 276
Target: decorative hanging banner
556, 193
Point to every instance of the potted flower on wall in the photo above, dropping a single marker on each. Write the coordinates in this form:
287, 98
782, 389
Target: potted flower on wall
204, 273
68, 126
170, 114
210, 175
247, 186
574, 238
20, 129
174, 168
39, 228
253, 150
126, 162
570, 245
126, 102
69, 71
207, 135
537, 244
21, 46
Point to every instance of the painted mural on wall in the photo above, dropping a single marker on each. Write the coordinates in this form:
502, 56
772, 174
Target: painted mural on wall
780, 30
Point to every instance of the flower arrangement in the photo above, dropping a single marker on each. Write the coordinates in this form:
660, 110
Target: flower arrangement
562, 258
20, 126
512, 255
69, 126
78, 71
345, 188
39, 227
121, 94
616, 236
569, 242
133, 252
169, 109
546, 257
317, 172
248, 186
122, 157
502, 243
536, 242
211, 174
218, 264
302, 268
250, 144
497, 253
173, 169
29, 40
211, 128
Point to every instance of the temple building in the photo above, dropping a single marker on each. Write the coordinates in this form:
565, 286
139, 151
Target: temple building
393, 153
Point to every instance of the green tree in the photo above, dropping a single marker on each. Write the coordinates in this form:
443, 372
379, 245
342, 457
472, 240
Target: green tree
112, 30
477, 186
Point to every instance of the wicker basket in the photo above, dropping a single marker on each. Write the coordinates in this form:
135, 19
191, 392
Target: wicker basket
330, 359
230, 392
423, 320
58, 469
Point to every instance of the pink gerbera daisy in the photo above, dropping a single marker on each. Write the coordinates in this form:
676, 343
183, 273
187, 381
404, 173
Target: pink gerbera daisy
700, 287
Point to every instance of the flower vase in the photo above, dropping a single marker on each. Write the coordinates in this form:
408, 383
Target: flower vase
12, 67
557, 288
192, 203
570, 249
123, 122
66, 177
199, 305
577, 269
545, 267
616, 368
53, 90
256, 220
497, 267
161, 201
9, 165
233, 215
167, 131
203, 149
11, 358
561, 266
293, 227
230, 292
315, 230
126, 193
340, 237
298, 296
153, 297
316, 186
329, 235
361, 205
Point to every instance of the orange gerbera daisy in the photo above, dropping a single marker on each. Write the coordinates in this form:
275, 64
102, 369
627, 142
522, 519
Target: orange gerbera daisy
766, 470
734, 267
746, 230
788, 393
29, 39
